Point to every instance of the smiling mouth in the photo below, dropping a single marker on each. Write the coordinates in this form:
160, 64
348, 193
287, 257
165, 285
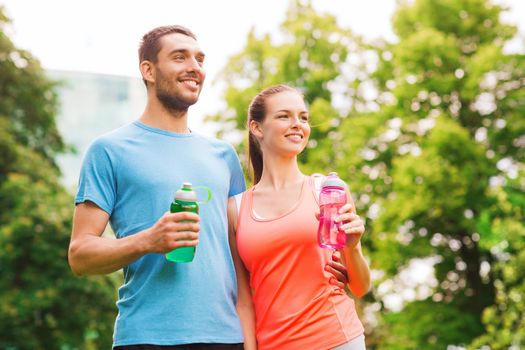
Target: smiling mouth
191, 83
294, 137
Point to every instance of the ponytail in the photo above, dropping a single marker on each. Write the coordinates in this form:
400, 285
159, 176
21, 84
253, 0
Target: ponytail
257, 112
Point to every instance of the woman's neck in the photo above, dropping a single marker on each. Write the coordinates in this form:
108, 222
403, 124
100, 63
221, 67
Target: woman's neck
279, 173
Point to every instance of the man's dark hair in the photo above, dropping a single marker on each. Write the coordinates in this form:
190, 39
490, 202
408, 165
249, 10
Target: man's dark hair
150, 44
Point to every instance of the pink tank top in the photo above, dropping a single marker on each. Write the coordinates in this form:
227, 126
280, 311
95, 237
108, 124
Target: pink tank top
296, 307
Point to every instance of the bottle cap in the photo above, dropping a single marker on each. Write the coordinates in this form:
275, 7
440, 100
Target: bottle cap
332, 180
186, 193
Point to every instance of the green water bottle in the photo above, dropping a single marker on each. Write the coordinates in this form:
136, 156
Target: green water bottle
185, 200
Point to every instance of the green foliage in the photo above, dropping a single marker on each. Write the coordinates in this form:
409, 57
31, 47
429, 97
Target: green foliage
505, 320
455, 97
445, 325
43, 305
300, 61
28, 100
474, 21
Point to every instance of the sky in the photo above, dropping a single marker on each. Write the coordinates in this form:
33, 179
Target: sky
102, 36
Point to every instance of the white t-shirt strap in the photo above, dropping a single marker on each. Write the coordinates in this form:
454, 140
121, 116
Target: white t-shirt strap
238, 199
318, 180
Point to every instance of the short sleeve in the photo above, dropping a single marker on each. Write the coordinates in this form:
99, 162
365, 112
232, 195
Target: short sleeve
237, 183
97, 181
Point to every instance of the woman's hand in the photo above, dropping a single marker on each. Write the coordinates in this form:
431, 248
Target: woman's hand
351, 224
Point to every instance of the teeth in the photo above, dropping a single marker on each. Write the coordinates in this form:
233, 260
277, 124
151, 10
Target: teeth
190, 82
295, 137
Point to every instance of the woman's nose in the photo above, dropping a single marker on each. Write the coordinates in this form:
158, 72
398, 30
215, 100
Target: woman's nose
295, 121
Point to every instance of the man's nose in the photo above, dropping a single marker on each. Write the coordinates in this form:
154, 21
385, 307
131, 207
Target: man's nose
194, 64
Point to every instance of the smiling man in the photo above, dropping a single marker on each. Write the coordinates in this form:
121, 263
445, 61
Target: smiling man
128, 178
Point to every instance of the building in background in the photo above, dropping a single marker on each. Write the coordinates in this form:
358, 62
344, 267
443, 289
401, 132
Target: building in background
90, 105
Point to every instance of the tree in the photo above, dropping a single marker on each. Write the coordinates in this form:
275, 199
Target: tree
428, 131
43, 305
504, 230
301, 61
455, 115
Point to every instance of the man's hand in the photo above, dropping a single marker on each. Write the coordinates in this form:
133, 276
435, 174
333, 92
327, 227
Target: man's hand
171, 231
336, 268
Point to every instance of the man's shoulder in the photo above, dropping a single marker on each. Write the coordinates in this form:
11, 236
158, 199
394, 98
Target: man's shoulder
216, 143
114, 137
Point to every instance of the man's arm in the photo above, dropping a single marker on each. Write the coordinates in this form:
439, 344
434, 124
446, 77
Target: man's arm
90, 253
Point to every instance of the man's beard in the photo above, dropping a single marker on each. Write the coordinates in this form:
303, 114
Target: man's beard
169, 97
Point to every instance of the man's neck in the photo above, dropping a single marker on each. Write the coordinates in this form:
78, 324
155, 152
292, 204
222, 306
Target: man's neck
158, 117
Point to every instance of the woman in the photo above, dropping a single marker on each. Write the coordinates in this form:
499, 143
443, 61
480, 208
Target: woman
275, 249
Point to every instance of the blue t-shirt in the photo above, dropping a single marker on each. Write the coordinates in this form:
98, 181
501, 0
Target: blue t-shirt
133, 173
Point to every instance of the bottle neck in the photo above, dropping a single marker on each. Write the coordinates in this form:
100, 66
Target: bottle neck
332, 188
332, 195
185, 196
185, 201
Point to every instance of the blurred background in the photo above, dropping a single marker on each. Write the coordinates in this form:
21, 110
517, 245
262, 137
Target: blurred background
419, 105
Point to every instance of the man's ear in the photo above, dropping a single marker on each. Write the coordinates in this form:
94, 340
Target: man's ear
255, 129
147, 70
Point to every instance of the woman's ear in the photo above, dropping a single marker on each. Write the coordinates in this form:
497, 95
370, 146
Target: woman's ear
255, 129
147, 71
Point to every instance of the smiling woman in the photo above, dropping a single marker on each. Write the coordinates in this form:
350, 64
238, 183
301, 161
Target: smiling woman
279, 115
273, 234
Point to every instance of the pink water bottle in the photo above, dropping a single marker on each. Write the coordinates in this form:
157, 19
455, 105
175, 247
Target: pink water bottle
331, 198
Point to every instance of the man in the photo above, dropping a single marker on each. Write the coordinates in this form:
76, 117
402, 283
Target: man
128, 178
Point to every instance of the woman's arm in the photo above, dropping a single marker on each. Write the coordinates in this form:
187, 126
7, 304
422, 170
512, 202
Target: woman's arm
358, 270
244, 295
